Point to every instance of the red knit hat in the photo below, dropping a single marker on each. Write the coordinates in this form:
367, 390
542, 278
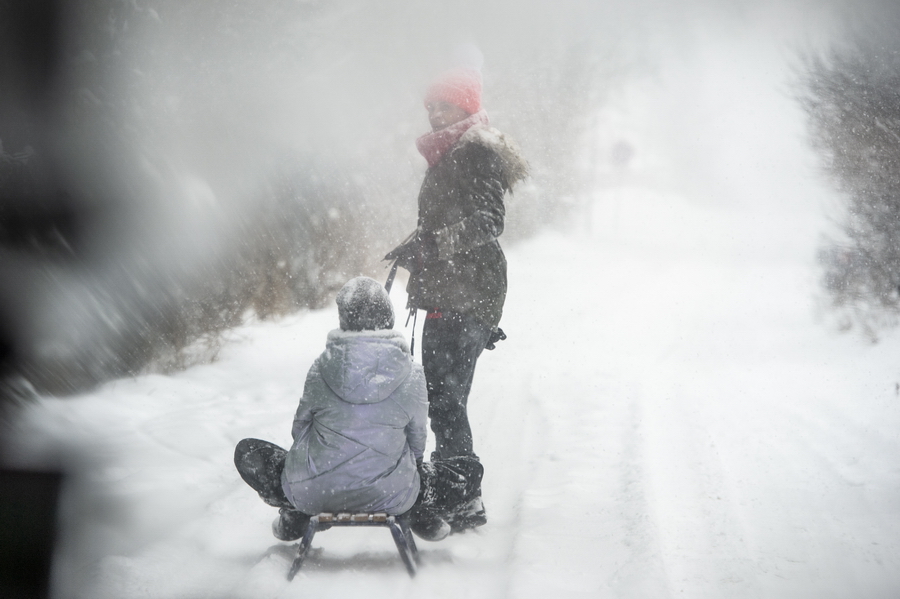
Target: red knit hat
460, 86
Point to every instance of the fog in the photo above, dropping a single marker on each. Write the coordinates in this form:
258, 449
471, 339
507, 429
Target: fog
182, 134
202, 165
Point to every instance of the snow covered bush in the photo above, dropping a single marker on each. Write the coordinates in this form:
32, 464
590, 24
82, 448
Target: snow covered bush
851, 95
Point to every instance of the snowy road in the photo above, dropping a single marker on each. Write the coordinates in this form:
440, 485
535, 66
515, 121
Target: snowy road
662, 422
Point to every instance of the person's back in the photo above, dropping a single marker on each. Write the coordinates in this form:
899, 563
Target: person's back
360, 427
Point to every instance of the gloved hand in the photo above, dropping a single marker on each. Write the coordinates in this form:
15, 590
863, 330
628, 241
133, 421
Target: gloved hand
496, 335
416, 252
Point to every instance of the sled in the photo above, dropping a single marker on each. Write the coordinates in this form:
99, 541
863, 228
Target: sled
398, 526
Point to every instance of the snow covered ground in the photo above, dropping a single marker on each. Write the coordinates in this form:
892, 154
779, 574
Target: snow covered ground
668, 417
659, 424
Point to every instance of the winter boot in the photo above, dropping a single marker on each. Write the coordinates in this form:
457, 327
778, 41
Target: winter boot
469, 515
260, 464
428, 524
457, 487
289, 525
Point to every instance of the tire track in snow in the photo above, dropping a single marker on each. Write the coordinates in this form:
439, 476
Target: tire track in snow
828, 507
703, 540
643, 496
643, 572
702, 537
585, 529
585, 524
506, 420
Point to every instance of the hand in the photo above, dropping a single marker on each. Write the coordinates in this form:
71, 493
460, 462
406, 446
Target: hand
496, 335
415, 253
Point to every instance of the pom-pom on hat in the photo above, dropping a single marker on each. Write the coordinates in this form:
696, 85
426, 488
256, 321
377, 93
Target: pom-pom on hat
364, 305
460, 86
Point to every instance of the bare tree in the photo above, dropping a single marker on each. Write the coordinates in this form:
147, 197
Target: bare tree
851, 95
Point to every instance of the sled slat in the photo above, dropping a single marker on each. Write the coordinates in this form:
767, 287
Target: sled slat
398, 526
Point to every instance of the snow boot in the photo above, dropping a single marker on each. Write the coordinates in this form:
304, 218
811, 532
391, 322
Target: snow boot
458, 488
428, 524
260, 464
469, 515
289, 525
449, 499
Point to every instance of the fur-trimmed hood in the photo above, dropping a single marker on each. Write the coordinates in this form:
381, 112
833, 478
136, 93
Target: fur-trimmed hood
515, 167
365, 366
359, 427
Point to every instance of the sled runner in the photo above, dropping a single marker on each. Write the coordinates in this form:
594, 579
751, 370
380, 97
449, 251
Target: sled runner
403, 537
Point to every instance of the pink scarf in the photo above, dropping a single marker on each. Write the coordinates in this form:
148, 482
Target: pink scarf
434, 145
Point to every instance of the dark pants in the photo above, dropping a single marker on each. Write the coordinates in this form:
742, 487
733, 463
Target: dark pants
444, 484
451, 345
260, 464
446, 487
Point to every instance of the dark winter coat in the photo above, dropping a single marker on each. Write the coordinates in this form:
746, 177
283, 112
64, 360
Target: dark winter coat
359, 428
461, 206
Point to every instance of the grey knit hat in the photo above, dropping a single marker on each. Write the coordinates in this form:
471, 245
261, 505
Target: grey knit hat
364, 305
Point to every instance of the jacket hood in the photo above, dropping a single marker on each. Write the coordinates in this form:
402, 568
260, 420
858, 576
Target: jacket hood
365, 366
515, 167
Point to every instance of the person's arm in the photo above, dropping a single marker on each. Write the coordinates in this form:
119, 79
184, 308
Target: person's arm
416, 432
482, 184
303, 417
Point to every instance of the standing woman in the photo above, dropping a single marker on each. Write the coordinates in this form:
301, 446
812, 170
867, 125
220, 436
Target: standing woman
457, 268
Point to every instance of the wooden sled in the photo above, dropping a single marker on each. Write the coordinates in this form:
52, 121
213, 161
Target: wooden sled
398, 525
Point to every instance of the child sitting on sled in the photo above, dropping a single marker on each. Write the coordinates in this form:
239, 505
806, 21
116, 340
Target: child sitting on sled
359, 433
